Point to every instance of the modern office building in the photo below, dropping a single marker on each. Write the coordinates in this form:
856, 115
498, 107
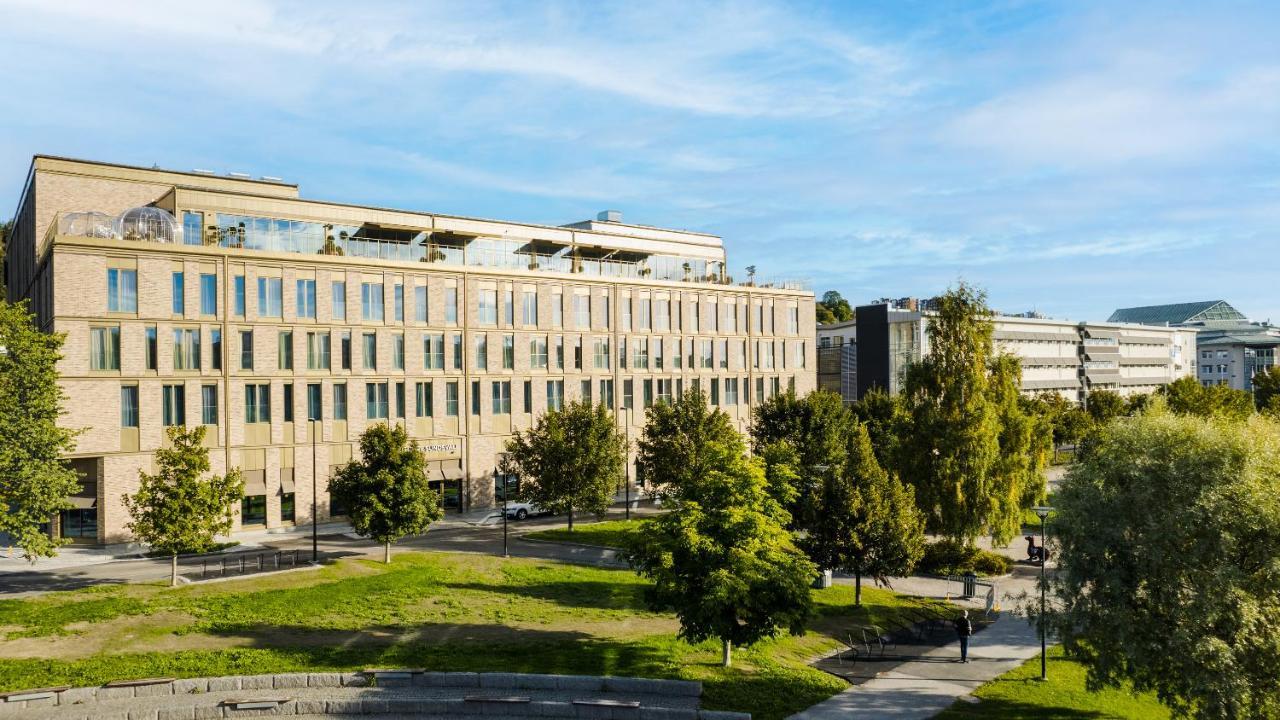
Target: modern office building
1230, 348
1064, 357
231, 302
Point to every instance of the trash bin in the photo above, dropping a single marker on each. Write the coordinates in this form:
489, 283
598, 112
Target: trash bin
970, 585
823, 580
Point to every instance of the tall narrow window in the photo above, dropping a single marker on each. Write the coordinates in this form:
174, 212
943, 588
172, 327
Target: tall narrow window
793, 320
179, 288
371, 302
104, 348
582, 311
509, 308
270, 297
628, 394
642, 310
215, 353
488, 307
662, 314
173, 400
584, 390
122, 290
530, 314
502, 397
423, 406
397, 300
314, 404
528, 396
208, 404
397, 351
237, 290
559, 352
192, 230
345, 349
208, 294
457, 351
451, 305
400, 400
626, 313
284, 350
306, 300
433, 351
340, 401
538, 352
420, 303
288, 402
606, 393
246, 349
375, 401
475, 397
482, 352
557, 309
600, 353
555, 394
370, 354
257, 403
604, 305
508, 352
318, 351
451, 399
129, 406
338, 300
153, 347
186, 349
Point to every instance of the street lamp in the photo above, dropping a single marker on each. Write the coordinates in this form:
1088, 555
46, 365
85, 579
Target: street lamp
315, 480
1042, 511
626, 466
506, 490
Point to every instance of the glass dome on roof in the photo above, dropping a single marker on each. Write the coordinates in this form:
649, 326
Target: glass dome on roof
87, 224
147, 223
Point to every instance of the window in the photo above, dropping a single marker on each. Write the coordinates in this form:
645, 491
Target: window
270, 296
664, 390
315, 405
793, 320
538, 352
600, 353
451, 305
128, 406
557, 309
508, 352
284, 350
397, 351
153, 347
371, 301
640, 353
800, 354
338, 300
215, 335
340, 401
706, 354
648, 392
606, 393
173, 400
475, 397
657, 353
731, 391
369, 354
192, 228
400, 400
622, 352
528, 396
422, 408
662, 312
253, 510
643, 312
577, 353
345, 350
628, 394
731, 317
375, 401
179, 293
318, 351
530, 315
420, 303
626, 313
451, 399
509, 308
237, 290
604, 305
397, 299
186, 349
208, 294
287, 502
555, 394
559, 352
502, 397
257, 403
723, 350
759, 391
582, 311
457, 351
488, 307
694, 317
584, 390
246, 349
288, 402
209, 405
482, 352
715, 391
104, 348
433, 352
306, 299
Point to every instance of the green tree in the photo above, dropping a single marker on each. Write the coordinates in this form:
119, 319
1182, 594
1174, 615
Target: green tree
1266, 385
722, 559
1137, 403
34, 480
386, 492
867, 522
1105, 405
573, 459
673, 447
834, 306
1167, 532
1070, 422
178, 510
952, 439
886, 422
816, 426
1186, 396
822, 314
1018, 470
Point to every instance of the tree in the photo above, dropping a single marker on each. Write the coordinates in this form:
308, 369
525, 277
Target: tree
883, 417
867, 522
386, 492
952, 439
573, 459
1105, 405
1266, 385
835, 307
722, 559
1070, 422
1186, 396
673, 448
178, 510
816, 426
34, 480
1167, 532
1018, 470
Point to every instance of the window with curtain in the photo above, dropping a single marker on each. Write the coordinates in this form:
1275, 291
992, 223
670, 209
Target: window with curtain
371, 302
104, 348
122, 290
270, 297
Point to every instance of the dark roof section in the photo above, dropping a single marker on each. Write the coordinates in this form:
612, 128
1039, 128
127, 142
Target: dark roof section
1178, 313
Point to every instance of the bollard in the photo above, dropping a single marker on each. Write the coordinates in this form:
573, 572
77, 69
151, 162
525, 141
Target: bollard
259, 562
241, 564
222, 567
204, 568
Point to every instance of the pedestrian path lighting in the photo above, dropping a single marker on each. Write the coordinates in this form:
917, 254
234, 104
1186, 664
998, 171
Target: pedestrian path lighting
1042, 511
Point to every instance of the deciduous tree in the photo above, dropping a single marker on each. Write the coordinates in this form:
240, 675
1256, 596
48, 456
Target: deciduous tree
1186, 396
386, 492
1018, 470
1266, 385
34, 481
886, 422
673, 448
572, 460
1104, 406
817, 427
178, 510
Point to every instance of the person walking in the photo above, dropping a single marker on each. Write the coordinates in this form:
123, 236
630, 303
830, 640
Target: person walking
964, 629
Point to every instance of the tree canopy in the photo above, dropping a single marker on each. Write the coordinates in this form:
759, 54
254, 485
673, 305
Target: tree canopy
674, 447
833, 308
1266, 385
816, 426
34, 480
178, 510
1017, 474
1167, 532
1186, 396
386, 492
572, 459
1104, 406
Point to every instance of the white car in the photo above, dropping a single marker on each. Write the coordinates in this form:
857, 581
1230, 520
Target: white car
522, 510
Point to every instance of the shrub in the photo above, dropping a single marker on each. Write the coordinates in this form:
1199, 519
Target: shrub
947, 557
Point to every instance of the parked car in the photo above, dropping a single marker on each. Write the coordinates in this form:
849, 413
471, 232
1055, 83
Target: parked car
522, 510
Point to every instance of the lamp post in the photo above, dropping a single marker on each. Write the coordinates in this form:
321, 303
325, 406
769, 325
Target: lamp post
1042, 511
626, 467
315, 481
506, 490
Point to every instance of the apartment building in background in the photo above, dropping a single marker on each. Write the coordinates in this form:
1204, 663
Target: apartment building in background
1059, 356
286, 326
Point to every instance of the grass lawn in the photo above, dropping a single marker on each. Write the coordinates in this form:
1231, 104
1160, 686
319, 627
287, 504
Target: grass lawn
433, 610
610, 533
1020, 694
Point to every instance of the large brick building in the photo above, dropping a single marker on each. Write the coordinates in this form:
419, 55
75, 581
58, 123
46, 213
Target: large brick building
229, 302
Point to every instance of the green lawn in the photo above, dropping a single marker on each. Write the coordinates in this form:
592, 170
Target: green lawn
610, 533
1020, 694
433, 610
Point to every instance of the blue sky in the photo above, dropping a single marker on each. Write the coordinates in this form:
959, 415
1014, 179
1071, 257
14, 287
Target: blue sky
1070, 157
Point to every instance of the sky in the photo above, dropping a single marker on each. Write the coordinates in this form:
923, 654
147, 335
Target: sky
1070, 158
